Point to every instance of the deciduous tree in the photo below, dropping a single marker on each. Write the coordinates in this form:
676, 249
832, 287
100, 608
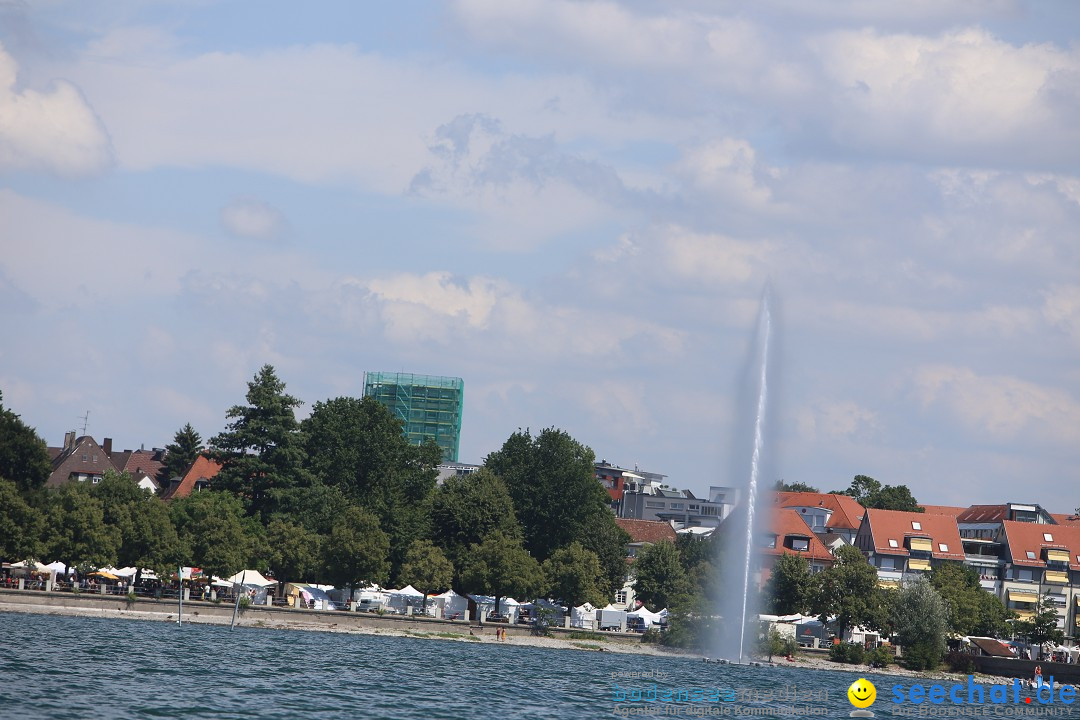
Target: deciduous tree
215, 533
658, 575
357, 549
76, 529
849, 591
500, 566
24, 458
426, 568
468, 508
573, 575
790, 585
919, 622
20, 525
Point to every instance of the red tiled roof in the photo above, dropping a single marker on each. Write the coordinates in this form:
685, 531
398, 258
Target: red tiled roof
786, 522
1021, 537
143, 460
847, 513
984, 513
943, 510
646, 531
202, 469
1063, 519
888, 525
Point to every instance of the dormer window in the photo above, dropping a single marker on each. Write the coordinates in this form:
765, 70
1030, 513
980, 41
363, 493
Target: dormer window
800, 544
916, 525
1048, 537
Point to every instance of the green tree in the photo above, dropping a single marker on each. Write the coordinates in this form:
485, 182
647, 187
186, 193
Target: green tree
1041, 628
426, 568
116, 491
261, 451
971, 610
357, 549
77, 533
24, 458
573, 575
214, 532
658, 575
20, 525
357, 446
552, 481
920, 621
468, 508
181, 452
500, 566
849, 590
782, 486
790, 585
871, 494
293, 552
149, 538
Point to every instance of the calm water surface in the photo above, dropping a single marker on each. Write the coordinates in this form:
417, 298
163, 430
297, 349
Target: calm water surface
63, 667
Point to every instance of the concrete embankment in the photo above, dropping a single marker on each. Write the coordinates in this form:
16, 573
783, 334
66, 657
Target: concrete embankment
118, 606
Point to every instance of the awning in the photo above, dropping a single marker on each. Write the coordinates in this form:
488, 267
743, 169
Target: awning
914, 564
106, 575
1056, 577
1061, 556
1022, 596
888, 583
921, 544
1025, 615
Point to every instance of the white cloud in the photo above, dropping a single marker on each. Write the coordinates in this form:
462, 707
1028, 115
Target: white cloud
1005, 407
250, 218
1062, 308
963, 93
55, 130
837, 420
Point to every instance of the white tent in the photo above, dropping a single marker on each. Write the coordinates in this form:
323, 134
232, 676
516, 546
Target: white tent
250, 577
401, 600
583, 616
648, 617
407, 591
453, 606
126, 572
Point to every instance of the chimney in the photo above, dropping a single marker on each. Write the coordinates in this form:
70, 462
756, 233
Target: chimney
69, 440
106, 447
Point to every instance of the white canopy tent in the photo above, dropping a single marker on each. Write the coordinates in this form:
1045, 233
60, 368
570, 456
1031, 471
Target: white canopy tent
452, 605
508, 606
250, 577
647, 617
583, 616
400, 600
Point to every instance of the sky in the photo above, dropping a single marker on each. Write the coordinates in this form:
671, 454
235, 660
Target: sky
575, 206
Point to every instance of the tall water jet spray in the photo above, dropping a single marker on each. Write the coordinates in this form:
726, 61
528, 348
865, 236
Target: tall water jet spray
737, 592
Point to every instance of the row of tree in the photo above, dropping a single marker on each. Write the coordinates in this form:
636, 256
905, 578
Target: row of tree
340, 497
918, 615
867, 491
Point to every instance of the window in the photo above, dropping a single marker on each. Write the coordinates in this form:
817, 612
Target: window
620, 597
800, 544
96, 480
695, 507
94, 459
916, 525
1024, 574
893, 543
84, 457
676, 506
1048, 537
942, 547
886, 563
1030, 554
770, 541
653, 504
709, 510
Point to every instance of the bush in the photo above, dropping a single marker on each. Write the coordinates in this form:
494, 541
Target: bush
652, 635
851, 653
921, 656
880, 657
959, 662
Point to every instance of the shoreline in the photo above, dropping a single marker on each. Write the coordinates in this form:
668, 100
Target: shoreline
424, 628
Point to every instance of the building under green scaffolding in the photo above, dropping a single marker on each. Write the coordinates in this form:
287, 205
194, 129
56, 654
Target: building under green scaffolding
429, 406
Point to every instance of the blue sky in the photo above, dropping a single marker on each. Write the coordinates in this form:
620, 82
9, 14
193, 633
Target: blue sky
572, 205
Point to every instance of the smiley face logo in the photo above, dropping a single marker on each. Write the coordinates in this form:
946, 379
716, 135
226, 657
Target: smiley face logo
862, 693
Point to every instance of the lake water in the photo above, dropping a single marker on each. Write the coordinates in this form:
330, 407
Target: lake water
64, 667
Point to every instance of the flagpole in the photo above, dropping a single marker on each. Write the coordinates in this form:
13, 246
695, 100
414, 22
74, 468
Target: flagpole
180, 594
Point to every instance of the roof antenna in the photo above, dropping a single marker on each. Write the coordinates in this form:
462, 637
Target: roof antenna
85, 421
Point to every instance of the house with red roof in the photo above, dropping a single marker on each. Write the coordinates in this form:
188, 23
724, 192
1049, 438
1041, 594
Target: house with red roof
196, 479
642, 533
788, 534
907, 543
825, 513
1042, 560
